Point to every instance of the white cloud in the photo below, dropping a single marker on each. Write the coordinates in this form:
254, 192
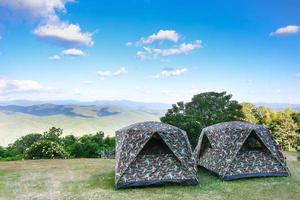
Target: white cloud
297, 74
87, 82
128, 44
103, 73
170, 73
184, 48
73, 52
170, 35
54, 57
51, 28
287, 30
45, 9
14, 86
118, 72
65, 34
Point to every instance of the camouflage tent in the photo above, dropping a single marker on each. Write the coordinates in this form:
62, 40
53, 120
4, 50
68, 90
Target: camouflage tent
238, 149
153, 153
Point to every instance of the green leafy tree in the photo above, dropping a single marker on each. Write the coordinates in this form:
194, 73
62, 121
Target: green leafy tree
2, 152
53, 134
20, 145
45, 149
87, 146
267, 116
68, 143
296, 118
251, 113
284, 130
205, 109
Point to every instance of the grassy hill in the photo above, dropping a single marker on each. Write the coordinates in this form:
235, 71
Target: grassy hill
76, 119
94, 179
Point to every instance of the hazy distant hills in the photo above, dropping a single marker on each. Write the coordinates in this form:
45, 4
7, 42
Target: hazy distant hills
21, 117
280, 106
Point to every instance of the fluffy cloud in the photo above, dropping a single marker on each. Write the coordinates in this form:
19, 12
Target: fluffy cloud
118, 72
45, 9
170, 73
55, 57
103, 73
73, 52
184, 48
297, 74
51, 28
128, 44
15, 86
287, 30
170, 35
65, 34
87, 82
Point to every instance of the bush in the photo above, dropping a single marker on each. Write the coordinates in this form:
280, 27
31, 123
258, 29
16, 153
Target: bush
12, 158
20, 145
45, 149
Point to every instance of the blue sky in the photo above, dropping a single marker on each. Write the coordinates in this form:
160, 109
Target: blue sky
152, 50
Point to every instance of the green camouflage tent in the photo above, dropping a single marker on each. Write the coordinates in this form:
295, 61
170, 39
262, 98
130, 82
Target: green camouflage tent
237, 150
153, 153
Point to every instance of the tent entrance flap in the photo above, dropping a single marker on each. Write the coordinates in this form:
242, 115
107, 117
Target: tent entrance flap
253, 143
155, 146
205, 146
254, 159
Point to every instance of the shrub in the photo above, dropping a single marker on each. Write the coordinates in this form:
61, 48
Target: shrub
45, 149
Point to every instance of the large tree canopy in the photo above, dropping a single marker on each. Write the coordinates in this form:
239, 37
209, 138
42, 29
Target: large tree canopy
205, 109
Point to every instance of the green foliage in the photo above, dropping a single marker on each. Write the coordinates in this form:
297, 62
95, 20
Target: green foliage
284, 130
283, 125
205, 109
11, 158
251, 113
91, 146
53, 134
45, 149
2, 151
51, 144
20, 145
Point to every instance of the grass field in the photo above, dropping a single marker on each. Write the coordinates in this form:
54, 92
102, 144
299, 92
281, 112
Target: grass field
94, 179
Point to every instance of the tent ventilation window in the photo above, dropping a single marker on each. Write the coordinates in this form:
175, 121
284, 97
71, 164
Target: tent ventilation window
155, 146
204, 146
253, 143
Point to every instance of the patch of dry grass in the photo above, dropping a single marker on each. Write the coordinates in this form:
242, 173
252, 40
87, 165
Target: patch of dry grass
94, 179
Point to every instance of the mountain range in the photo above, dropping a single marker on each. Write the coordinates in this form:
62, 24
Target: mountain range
21, 117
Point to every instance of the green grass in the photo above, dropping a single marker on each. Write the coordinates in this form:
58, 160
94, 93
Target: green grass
94, 179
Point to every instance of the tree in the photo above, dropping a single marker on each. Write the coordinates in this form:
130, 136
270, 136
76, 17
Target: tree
68, 143
267, 116
2, 152
45, 149
53, 134
284, 130
205, 109
296, 118
251, 113
87, 146
20, 145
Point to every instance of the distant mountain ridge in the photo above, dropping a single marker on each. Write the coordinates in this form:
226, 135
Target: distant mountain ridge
120, 103
280, 106
19, 118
